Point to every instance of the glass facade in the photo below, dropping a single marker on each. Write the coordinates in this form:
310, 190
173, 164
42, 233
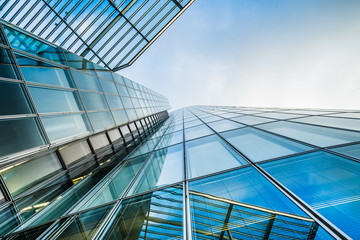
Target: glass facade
88, 154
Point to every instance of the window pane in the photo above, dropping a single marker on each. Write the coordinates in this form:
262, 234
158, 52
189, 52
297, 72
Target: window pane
204, 155
171, 139
7, 68
328, 183
209, 207
120, 116
86, 82
19, 134
114, 102
224, 125
108, 87
164, 167
8, 220
21, 177
279, 115
65, 126
13, 99
101, 120
114, 134
352, 124
251, 120
28, 44
94, 101
352, 150
74, 152
41, 72
79, 63
158, 216
316, 135
99, 141
122, 90
52, 100
196, 132
258, 145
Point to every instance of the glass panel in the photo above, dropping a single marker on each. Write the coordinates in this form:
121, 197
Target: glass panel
352, 150
122, 90
26, 43
94, 101
319, 136
251, 120
163, 167
204, 155
19, 134
347, 115
114, 134
42, 72
224, 125
25, 175
30, 233
8, 220
65, 126
101, 120
108, 87
258, 145
157, 215
328, 183
120, 116
99, 141
7, 67
79, 63
192, 123
352, 124
114, 102
196, 132
74, 152
118, 78
8, 93
251, 211
86, 81
171, 139
279, 115
55, 100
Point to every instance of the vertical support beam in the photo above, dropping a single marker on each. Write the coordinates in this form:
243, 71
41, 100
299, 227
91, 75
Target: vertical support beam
226, 226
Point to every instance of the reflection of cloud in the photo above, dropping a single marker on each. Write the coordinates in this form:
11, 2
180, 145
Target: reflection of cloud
292, 54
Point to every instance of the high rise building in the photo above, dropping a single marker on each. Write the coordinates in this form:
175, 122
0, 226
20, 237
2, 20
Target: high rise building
88, 154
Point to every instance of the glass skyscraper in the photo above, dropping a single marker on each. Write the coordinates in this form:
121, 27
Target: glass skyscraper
88, 154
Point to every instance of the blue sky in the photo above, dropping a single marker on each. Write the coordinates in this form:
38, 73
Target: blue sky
258, 53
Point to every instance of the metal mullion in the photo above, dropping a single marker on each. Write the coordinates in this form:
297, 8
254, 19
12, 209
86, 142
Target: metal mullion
19, 10
54, 18
28, 12
40, 21
10, 9
129, 52
72, 21
321, 220
155, 15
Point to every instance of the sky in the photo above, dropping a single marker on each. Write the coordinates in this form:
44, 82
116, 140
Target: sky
257, 53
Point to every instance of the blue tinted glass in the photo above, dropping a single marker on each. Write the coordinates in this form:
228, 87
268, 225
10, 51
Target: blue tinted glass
101, 120
316, 135
28, 44
42, 72
251, 120
19, 134
52, 100
278, 115
114, 102
65, 126
352, 150
192, 123
122, 90
224, 125
94, 101
108, 87
210, 154
7, 68
118, 78
8, 93
247, 189
8, 219
163, 167
86, 82
131, 114
171, 139
196, 132
346, 123
79, 63
120, 116
103, 73
158, 215
258, 145
328, 183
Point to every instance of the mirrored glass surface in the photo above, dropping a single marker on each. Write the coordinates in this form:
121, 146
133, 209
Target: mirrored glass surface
157, 215
94, 101
316, 135
49, 100
258, 145
208, 155
328, 183
101, 120
252, 120
351, 150
337, 122
196, 132
164, 167
224, 125
13, 99
86, 81
7, 67
19, 134
64, 126
120, 116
